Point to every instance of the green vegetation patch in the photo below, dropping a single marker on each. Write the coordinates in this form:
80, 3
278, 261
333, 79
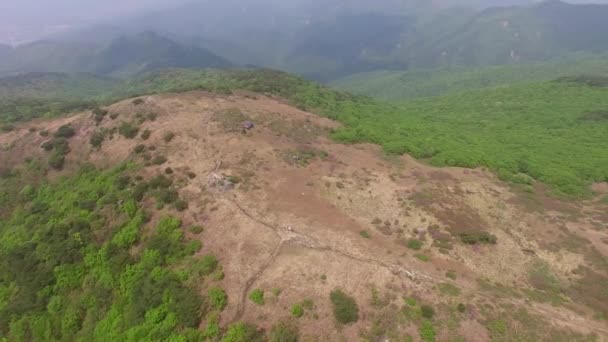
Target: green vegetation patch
93, 275
448, 289
257, 296
345, 307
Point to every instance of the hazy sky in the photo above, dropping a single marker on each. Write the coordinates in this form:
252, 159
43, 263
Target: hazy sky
50, 10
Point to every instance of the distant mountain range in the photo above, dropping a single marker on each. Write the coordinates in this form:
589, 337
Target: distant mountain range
324, 40
124, 56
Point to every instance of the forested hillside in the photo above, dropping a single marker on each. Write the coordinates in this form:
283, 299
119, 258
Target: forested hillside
401, 86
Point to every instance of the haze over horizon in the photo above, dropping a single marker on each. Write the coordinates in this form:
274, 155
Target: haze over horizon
28, 20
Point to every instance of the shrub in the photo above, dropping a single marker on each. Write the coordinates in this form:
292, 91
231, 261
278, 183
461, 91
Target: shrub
257, 296
284, 332
145, 135
169, 171
196, 229
139, 191
475, 238
139, 149
207, 264
7, 128
297, 310
308, 304
113, 116
44, 133
427, 311
345, 307
191, 174
47, 146
168, 136
137, 102
97, 139
365, 234
61, 145
152, 116
217, 298
167, 196
128, 130
422, 257
448, 289
181, 205
159, 160
56, 160
242, 332
99, 114
32, 129
160, 182
427, 331
65, 131
414, 244
461, 308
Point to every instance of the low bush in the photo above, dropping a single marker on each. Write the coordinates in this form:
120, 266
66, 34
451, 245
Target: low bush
159, 160
160, 182
284, 332
139, 149
196, 229
257, 296
345, 307
242, 332
97, 139
137, 102
181, 205
365, 234
65, 131
57, 160
99, 114
414, 244
152, 116
427, 311
297, 310
168, 137
7, 128
145, 135
427, 331
128, 130
217, 298
475, 238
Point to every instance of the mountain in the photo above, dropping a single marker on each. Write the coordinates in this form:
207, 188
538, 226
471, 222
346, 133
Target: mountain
48, 56
516, 35
149, 51
157, 218
123, 56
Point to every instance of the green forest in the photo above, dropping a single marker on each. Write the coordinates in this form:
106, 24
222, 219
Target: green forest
401, 86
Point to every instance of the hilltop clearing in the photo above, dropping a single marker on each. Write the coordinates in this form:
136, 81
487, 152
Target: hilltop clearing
340, 241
